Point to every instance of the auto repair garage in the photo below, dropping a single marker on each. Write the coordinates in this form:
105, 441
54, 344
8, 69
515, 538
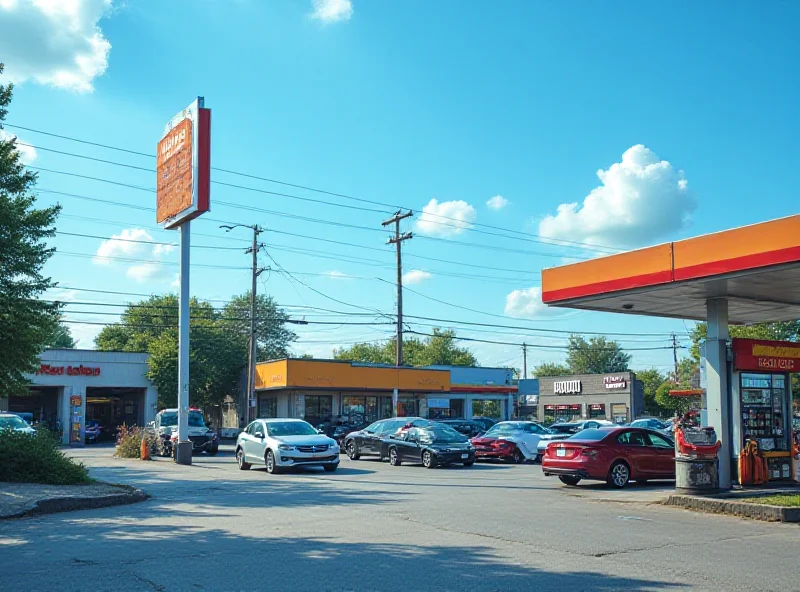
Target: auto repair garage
73, 386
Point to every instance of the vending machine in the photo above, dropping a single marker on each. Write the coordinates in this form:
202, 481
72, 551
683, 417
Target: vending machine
762, 401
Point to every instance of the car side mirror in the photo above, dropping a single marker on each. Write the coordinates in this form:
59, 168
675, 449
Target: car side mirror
319, 431
259, 435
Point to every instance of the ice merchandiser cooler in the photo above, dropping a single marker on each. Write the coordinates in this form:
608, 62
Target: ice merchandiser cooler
762, 401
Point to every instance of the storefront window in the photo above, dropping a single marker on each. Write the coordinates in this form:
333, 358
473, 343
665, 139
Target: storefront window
493, 409
267, 407
597, 411
407, 407
567, 413
318, 408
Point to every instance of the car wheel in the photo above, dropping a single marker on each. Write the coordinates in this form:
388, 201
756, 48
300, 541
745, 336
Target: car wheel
213, 452
243, 466
619, 475
394, 458
517, 457
469, 463
428, 460
568, 480
352, 450
330, 468
271, 463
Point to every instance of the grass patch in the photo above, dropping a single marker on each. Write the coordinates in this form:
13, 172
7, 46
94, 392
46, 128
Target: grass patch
26, 458
788, 500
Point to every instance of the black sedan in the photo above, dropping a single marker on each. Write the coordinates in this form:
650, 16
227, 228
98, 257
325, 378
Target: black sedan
467, 427
367, 442
431, 446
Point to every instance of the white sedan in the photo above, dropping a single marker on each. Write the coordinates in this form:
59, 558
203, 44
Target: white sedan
284, 443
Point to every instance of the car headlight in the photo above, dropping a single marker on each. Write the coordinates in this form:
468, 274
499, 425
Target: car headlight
212, 435
285, 447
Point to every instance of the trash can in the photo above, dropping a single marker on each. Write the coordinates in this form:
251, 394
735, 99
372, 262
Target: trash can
696, 461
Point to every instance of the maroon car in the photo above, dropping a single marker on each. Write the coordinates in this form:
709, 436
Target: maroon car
615, 455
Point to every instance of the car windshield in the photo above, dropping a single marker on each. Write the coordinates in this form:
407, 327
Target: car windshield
440, 435
169, 419
500, 429
592, 434
290, 428
196, 419
13, 422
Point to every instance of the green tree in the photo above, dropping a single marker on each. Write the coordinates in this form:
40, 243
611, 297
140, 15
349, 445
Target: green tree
273, 337
784, 331
219, 343
551, 369
598, 355
679, 405
437, 349
652, 380
27, 323
62, 337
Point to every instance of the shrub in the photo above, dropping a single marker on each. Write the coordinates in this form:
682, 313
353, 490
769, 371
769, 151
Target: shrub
26, 458
129, 442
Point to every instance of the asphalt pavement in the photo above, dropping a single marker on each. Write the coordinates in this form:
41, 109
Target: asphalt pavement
371, 526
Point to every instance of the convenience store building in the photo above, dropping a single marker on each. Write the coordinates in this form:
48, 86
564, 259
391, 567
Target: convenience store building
316, 390
617, 397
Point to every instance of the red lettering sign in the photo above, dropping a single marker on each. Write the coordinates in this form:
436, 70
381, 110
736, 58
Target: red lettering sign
766, 356
81, 370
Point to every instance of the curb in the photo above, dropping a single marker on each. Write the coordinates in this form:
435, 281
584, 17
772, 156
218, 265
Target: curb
734, 508
55, 505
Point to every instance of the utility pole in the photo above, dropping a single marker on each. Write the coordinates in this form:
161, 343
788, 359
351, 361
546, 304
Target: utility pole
245, 408
397, 240
675, 356
524, 360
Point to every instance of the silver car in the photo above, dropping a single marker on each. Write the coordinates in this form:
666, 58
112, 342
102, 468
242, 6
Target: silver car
284, 443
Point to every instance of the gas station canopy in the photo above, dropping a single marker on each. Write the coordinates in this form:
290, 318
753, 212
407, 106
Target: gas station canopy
755, 268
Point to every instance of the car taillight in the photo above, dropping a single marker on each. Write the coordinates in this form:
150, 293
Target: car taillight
589, 453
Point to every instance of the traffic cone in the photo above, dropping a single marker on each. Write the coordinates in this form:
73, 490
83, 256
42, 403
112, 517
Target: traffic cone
145, 451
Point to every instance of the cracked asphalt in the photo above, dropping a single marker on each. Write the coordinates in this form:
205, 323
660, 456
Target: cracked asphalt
373, 527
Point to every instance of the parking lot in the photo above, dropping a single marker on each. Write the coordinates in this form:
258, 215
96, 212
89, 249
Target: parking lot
371, 526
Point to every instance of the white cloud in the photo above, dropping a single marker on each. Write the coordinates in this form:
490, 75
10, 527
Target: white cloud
27, 153
337, 275
498, 202
447, 218
63, 294
527, 304
133, 244
640, 200
54, 42
416, 276
332, 11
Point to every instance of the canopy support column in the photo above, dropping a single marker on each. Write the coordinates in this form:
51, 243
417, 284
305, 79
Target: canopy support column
717, 388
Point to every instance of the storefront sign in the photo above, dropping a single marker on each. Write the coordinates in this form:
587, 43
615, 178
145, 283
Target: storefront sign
439, 403
567, 387
615, 382
81, 370
619, 411
766, 356
183, 167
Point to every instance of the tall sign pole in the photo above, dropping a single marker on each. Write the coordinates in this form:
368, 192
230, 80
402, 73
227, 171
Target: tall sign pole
183, 181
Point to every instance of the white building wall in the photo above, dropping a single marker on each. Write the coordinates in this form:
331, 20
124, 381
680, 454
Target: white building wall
117, 369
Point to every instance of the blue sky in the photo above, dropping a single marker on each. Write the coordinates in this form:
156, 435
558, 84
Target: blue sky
401, 104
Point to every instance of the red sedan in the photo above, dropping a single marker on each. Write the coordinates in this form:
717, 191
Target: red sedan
614, 455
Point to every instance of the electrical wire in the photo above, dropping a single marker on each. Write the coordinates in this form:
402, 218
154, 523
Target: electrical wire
460, 225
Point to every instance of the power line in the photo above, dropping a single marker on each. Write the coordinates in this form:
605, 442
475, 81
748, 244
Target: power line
384, 314
526, 236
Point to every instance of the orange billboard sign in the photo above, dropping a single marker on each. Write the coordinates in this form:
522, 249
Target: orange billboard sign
183, 169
